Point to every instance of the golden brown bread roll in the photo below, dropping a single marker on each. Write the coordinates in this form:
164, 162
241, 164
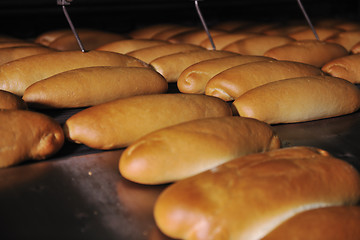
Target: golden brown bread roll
322, 32
48, 37
17, 75
27, 135
13, 53
233, 82
171, 66
194, 78
18, 44
257, 45
194, 37
344, 67
92, 86
9, 100
257, 27
346, 39
91, 39
312, 52
340, 222
170, 32
231, 25
222, 40
147, 32
118, 123
186, 149
151, 53
299, 100
249, 196
356, 48
285, 30
129, 45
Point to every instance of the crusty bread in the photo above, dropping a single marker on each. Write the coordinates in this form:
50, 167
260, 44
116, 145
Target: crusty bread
249, 196
346, 39
346, 67
322, 32
129, 45
194, 78
257, 45
312, 52
186, 149
17, 75
299, 100
151, 53
222, 40
118, 123
233, 82
195, 36
337, 223
13, 53
92, 86
171, 66
9, 100
27, 135
147, 32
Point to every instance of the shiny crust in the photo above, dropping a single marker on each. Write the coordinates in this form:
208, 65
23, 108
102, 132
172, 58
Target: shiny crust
345, 67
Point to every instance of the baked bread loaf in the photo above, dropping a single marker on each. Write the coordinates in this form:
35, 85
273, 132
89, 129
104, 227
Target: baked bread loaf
13, 53
346, 39
186, 149
194, 78
90, 86
18, 75
249, 196
170, 32
340, 222
257, 45
9, 100
194, 37
129, 45
119, 123
222, 40
322, 32
346, 67
312, 52
151, 53
27, 135
171, 66
48, 37
299, 100
233, 82
148, 32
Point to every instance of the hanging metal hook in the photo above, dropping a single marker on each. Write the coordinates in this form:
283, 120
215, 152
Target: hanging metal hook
308, 19
204, 24
64, 3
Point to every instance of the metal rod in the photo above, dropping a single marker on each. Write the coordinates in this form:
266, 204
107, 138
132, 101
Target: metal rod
308, 19
204, 24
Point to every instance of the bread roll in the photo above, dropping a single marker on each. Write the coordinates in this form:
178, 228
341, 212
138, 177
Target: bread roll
92, 86
9, 100
299, 100
233, 82
194, 37
257, 27
20, 74
118, 123
170, 32
194, 78
356, 48
231, 25
249, 196
151, 53
148, 32
222, 40
257, 45
186, 149
286, 30
312, 52
344, 67
27, 135
341, 222
129, 45
91, 39
171, 66
13, 53
347, 26
346, 39
48, 37
322, 32
18, 44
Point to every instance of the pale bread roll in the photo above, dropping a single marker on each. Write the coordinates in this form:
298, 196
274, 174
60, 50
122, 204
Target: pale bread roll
312, 52
91, 39
222, 40
118, 123
194, 78
249, 196
27, 135
129, 45
194, 37
344, 67
233, 82
299, 100
186, 149
322, 32
9, 100
151, 53
20, 74
170, 32
90, 86
13, 53
346, 39
257, 45
337, 223
147, 32
171, 66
